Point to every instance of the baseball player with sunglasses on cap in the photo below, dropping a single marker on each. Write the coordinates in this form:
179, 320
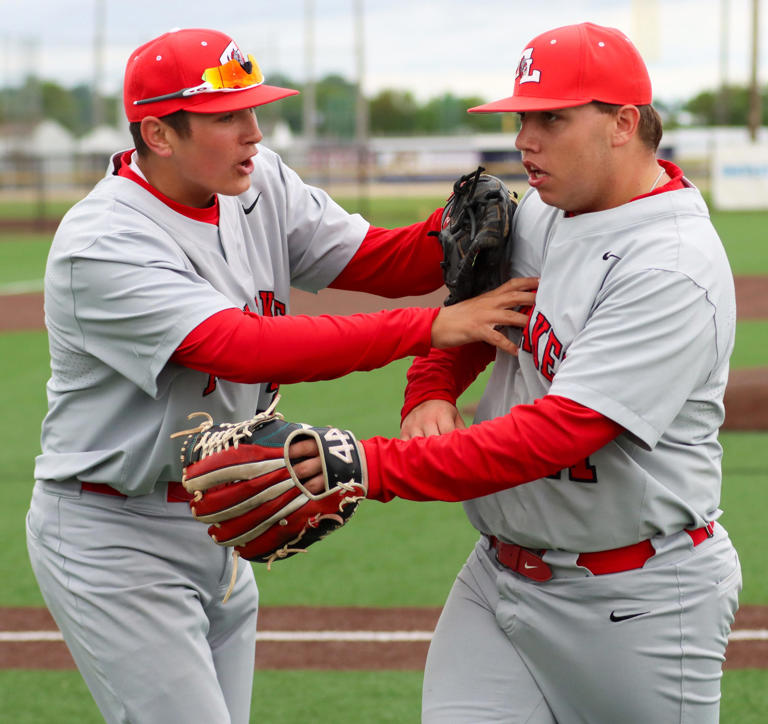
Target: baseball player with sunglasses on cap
167, 290
602, 588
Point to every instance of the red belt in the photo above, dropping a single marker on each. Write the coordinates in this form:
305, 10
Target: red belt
177, 493
529, 563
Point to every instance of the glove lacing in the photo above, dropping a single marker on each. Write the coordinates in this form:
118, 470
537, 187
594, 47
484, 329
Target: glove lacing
228, 433
235, 559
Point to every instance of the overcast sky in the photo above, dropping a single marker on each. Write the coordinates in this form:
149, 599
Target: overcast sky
427, 46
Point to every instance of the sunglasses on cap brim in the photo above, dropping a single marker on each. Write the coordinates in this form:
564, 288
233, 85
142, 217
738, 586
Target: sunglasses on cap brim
232, 76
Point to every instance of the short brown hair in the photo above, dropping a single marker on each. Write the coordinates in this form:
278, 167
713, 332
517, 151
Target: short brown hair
178, 121
649, 128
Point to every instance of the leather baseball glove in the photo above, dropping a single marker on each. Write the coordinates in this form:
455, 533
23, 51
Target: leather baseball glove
475, 235
245, 487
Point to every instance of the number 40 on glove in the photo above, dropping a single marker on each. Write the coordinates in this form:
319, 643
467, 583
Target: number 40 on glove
245, 487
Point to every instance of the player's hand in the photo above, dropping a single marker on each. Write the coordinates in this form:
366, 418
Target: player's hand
310, 469
433, 417
478, 319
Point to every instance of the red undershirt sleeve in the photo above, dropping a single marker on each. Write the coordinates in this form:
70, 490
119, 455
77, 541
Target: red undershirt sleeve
245, 347
396, 262
530, 442
444, 374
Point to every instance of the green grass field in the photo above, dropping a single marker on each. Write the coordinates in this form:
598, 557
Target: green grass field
288, 697
379, 558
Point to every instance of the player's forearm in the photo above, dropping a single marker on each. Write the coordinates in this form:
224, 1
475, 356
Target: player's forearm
530, 442
245, 347
396, 262
444, 374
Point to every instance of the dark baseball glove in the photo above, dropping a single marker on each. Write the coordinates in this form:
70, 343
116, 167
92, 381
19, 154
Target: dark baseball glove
245, 486
475, 235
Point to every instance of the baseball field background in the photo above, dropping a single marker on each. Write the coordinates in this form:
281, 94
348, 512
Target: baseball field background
388, 571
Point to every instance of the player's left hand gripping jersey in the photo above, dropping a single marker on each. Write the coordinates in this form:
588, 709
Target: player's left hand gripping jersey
128, 278
634, 318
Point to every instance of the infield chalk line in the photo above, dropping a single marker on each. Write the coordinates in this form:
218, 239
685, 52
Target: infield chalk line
746, 634
334, 636
33, 285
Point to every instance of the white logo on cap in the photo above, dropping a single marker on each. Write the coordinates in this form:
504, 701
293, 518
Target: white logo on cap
232, 52
524, 71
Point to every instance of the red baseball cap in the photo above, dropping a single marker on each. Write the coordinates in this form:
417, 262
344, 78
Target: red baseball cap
196, 70
575, 65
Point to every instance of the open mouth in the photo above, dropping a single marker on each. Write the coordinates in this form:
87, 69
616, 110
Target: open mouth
246, 165
535, 174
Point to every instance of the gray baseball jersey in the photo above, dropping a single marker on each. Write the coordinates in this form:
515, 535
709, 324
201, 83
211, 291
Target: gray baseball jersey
128, 278
634, 318
135, 583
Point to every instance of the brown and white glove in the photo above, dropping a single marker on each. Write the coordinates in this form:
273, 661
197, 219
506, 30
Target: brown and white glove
245, 487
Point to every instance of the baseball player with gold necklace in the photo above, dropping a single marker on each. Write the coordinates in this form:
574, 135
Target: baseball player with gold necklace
602, 588
166, 290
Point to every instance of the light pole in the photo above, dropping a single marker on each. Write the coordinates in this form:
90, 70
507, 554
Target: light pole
97, 102
310, 101
361, 109
755, 111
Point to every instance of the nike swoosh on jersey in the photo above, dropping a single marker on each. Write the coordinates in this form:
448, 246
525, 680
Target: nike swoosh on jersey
529, 567
608, 255
627, 616
252, 206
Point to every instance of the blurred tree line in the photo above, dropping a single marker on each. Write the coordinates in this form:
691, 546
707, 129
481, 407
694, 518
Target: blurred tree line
390, 112
727, 106
71, 107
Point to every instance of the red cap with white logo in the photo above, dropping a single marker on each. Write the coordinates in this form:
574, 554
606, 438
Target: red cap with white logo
197, 70
575, 65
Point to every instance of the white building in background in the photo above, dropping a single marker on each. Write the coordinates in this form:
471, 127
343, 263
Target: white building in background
281, 137
104, 141
42, 155
94, 149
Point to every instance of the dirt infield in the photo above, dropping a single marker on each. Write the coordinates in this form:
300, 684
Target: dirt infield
25, 311
393, 639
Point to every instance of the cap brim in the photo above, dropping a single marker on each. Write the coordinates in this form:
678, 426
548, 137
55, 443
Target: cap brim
528, 103
211, 102
237, 100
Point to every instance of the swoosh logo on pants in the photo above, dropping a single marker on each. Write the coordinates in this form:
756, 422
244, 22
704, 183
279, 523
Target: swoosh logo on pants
627, 616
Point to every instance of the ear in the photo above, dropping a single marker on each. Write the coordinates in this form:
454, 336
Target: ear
156, 135
626, 122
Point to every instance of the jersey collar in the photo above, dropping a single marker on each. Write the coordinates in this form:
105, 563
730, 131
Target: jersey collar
208, 215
